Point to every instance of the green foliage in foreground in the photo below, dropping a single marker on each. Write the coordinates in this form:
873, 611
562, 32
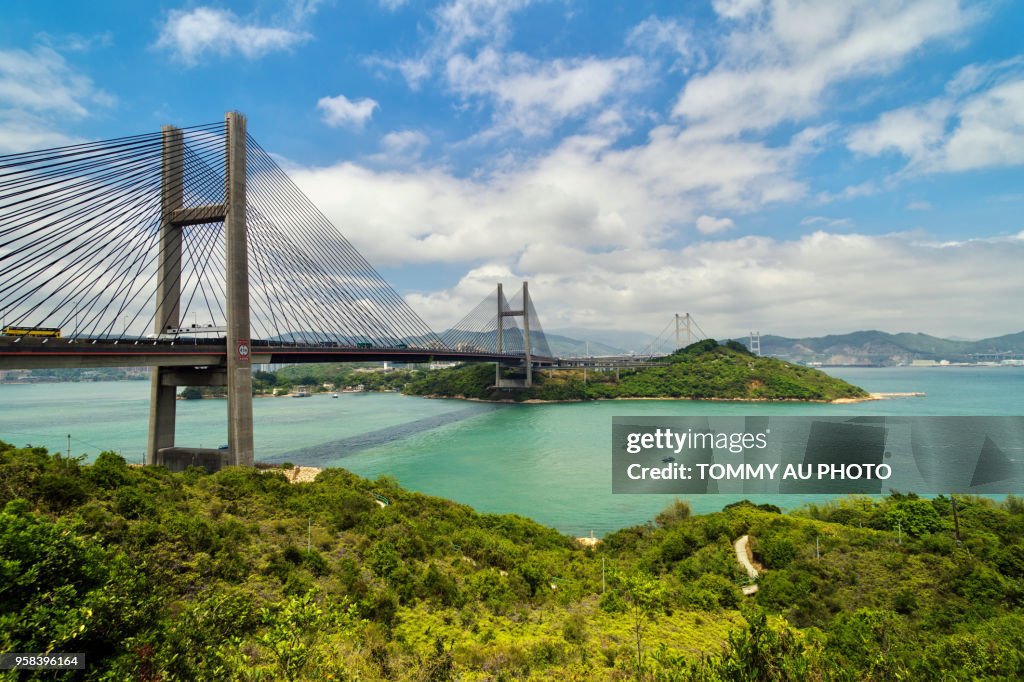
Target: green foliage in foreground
242, 576
703, 370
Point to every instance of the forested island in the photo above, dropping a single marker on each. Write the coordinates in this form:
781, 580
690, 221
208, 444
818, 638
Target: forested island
705, 370
241, 575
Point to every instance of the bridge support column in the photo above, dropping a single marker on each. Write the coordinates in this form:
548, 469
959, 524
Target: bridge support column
239, 350
526, 334
500, 341
168, 286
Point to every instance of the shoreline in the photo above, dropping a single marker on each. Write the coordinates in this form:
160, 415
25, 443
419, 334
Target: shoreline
536, 401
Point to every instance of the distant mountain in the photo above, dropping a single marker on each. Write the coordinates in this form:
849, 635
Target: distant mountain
870, 347
564, 346
560, 346
881, 348
615, 341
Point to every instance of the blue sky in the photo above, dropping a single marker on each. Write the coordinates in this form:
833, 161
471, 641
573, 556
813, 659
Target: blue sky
793, 167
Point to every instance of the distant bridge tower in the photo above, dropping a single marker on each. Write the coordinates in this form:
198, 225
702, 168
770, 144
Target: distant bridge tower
755, 343
237, 375
687, 325
525, 314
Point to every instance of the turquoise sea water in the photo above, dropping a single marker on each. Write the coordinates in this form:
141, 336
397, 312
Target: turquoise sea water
549, 462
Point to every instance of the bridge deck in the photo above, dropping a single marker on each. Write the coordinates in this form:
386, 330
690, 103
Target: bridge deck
33, 353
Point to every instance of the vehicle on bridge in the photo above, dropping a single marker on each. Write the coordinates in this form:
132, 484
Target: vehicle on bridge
49, 332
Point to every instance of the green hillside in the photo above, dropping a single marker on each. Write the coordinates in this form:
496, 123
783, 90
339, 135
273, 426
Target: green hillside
704, 370
241, 575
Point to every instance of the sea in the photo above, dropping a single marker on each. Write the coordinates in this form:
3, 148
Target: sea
548, 462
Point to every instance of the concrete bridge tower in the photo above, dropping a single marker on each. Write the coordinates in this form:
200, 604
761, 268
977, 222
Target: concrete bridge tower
236, 373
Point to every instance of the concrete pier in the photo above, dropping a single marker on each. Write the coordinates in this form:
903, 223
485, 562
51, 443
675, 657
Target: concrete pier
168, 286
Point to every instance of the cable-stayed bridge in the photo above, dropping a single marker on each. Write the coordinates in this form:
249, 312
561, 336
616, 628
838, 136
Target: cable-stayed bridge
190, 250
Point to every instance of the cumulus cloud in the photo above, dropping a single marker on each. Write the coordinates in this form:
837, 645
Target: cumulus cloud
341, 111
783, 57
191, 35
531, 96
609, 229
583, 191
818, 283
403, 141
708, 225
978, 123
467, 52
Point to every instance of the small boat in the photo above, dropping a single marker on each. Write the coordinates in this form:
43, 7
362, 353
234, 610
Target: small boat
666, 460
334, 395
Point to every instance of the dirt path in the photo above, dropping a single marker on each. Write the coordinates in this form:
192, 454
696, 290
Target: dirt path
742, 547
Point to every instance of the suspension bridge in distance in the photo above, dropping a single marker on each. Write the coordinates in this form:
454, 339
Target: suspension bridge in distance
107, 249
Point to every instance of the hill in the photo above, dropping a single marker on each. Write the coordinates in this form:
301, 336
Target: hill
881, 348
704, 370
241, 575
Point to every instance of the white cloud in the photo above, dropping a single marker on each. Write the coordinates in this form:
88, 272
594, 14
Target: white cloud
75, 42
341, 111
39, 91
737, 9
861, 189
819, 283
41, 81
990, 131
781, 61
919, 206
392, 5
404, 141
910, 131
708, 225
20, 132
963, 130
466, 50
399, 148
462, 22
460, 27
583, 191
654, 35
532, 96
190, 35
823, 221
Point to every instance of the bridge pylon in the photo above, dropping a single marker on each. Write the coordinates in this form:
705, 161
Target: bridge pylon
504, 312
236, 374
681, 324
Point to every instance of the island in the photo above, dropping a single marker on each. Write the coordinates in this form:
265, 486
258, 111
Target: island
705, 370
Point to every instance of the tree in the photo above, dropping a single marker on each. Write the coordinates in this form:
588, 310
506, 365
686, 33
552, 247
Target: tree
644, 596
